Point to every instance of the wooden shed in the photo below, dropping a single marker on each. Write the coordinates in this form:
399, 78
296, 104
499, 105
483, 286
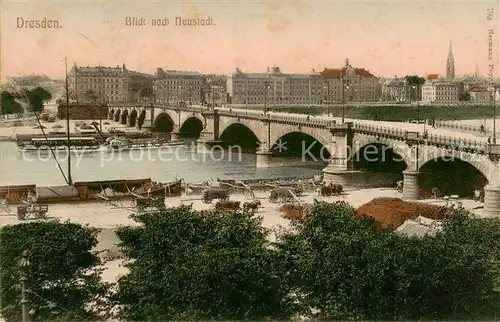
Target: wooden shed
57, 194
16, 193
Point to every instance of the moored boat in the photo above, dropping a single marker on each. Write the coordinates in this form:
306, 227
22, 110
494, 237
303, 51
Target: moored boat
117, 145
60, 144
161, 189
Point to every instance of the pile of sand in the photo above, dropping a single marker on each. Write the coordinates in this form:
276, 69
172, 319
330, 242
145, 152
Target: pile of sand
393, 212
292, 212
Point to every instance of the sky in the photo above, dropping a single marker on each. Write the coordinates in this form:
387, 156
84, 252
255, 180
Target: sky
389, 38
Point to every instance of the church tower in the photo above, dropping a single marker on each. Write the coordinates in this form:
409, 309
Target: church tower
450, 64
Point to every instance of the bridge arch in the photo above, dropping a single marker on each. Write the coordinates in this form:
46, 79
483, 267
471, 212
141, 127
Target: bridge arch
399, 148
454, 171
320, 135
192, 127
141, 118
189, 117
132, 118
116, 116
239, 134
255, 126
302, 143
123, 116
163, 123
480, 162
380, 155
452, 175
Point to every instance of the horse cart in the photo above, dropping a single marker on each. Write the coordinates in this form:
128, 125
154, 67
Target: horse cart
281, 195
215, 193
150, 205
478, 195
34, 210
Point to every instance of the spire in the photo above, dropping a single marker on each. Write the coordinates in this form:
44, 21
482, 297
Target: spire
450, 52
450, 64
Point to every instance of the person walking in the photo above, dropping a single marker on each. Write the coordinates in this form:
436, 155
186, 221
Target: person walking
482, 129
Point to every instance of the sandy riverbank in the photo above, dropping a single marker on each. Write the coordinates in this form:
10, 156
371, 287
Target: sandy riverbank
9, 129
110, 216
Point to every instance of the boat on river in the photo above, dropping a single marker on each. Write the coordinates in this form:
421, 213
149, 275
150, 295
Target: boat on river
83, 144
118, 145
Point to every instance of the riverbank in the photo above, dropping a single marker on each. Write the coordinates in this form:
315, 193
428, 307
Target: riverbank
9, 130
398, 113
109, 216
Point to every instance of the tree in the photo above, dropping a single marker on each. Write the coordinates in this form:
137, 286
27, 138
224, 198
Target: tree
464, 96
8, 104
417, 81
349, 268
90, 96
414, 80
192, 265
146, 92
36, 97
63, 275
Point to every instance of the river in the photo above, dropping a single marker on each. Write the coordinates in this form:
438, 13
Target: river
19, 167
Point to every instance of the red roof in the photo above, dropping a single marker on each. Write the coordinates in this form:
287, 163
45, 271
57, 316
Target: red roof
432, 76
341, 72
478, 89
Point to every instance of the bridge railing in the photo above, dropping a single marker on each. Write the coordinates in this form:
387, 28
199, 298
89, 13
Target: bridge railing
431, 138
461, 126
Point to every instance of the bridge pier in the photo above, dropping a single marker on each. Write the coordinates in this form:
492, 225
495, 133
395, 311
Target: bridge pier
175, 136
491, 200
411, 190
202, 142
131, 121
263, 159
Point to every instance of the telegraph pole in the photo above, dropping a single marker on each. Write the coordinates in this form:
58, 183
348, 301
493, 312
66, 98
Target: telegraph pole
70, 182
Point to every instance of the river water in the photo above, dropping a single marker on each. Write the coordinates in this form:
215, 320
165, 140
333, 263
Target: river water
40, 168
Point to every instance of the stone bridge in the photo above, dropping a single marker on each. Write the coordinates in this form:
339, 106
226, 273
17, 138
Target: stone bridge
344, 142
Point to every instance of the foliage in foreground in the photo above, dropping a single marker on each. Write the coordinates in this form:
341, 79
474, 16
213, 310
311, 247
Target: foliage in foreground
8, 104
201, 266
350, 269
208, 265
36, 98
63, 275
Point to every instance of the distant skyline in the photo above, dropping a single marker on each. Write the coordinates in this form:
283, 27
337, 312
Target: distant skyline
386, 38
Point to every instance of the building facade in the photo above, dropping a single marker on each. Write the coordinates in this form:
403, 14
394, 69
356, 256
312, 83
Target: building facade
440, 92
275, 88
348, 84
176, 87
107, 84
394, 90
480, 95
215, 90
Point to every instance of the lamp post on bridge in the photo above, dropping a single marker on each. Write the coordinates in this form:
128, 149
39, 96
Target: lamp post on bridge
266, 112
327, 101
494, 138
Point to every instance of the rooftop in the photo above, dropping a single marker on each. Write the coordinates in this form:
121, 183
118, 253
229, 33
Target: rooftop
341, 72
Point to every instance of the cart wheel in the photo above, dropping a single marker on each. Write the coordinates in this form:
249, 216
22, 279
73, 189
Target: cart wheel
21, 216
272, 200
206, 200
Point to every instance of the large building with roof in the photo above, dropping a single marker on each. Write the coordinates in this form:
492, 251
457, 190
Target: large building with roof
275, 88
395, 90
100, 84
176, 87
349, 84
439, 91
